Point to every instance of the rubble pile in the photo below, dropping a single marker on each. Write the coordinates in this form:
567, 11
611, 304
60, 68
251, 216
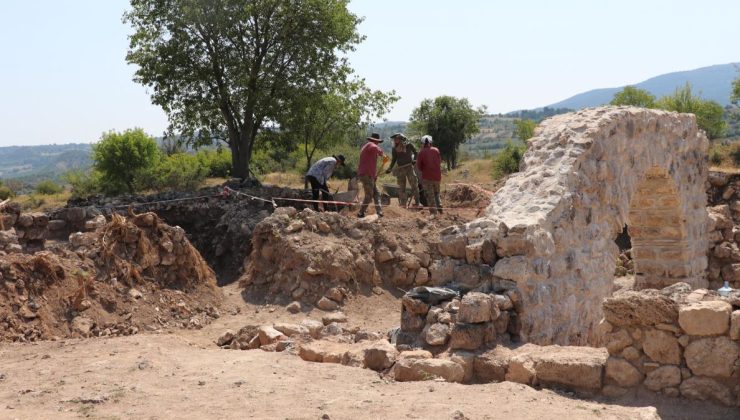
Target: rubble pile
303, 255
126, 276
439, 322
144, 247
625, 264
674, 341
466, 195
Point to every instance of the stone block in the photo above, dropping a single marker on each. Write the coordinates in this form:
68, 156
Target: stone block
713, 357
491, 366
663, 377
475, 307
436, 334
698, 388
622, 372
407, 369
379, 355
577, 367
705, 318
661, 347
512, 268
735, 325
471, 336
633, 308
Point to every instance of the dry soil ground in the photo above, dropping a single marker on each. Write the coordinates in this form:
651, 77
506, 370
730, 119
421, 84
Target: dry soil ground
182, 374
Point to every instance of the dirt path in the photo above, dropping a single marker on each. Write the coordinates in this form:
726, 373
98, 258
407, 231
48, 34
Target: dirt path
181, 374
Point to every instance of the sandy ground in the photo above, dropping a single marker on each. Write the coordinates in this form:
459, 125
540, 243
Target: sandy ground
182, 374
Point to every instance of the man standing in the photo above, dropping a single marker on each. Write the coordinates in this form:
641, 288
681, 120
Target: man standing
318, 175
403, 154
429, 163
367, 173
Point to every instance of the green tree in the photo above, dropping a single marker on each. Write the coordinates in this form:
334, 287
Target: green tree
120, 157
450, 121
631, 95
322, 120
222, 69
708, 113
524, 129
735, 97
507, 160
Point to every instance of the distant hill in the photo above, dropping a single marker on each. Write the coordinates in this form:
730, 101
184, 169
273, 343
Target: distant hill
713, 82
34, 163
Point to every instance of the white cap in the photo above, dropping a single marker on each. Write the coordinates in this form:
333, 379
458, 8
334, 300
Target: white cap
427, 139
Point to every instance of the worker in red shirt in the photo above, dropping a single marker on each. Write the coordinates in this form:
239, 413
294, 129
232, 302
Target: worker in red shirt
429, 163
367, 173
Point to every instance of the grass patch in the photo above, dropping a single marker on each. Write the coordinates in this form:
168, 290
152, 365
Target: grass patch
45, 202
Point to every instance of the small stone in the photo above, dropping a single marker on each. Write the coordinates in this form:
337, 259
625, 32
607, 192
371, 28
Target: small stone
269, 335
617, 341
135, 294
289, 330
662, 347
338, 317
294, 307
630, 353
335, 294
712, 356
327, 304
225, 338
735, 325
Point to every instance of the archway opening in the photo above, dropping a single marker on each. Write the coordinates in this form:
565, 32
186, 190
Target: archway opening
657, 230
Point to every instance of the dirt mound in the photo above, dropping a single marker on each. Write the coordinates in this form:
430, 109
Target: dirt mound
127, 275
306, 255
466, 195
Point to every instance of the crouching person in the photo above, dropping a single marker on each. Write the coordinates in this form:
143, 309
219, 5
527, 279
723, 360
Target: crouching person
318, 176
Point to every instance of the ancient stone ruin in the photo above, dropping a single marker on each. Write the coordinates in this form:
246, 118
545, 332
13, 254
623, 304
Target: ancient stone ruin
585, 176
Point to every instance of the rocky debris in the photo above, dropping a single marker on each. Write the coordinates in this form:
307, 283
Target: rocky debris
294, 307
441, 321
334, 317
108, 286
331, 256
466, 195
625, 264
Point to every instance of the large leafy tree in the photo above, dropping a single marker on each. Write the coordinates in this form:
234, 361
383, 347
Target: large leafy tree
708, 113
450, 121
222, 69
631, 95
320, 120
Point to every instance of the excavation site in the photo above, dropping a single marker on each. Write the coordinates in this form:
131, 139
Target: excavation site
585, 286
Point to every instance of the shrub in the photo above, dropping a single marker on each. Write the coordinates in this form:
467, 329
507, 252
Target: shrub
507, 160
217, 163
120, 157
83, 183
6, 192
735, 155
715, 156
176, 172
48, 187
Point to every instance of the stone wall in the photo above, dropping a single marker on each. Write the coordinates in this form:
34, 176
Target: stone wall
551, 228
674, 341
476, 321
724, 229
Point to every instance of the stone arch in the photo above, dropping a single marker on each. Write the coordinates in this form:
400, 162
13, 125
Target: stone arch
585, 176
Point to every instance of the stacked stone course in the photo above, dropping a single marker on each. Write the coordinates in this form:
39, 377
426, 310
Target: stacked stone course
675, 341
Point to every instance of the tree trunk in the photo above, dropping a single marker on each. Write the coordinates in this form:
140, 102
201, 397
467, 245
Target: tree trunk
241, 146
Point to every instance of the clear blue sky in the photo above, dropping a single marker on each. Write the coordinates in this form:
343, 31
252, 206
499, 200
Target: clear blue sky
63, 77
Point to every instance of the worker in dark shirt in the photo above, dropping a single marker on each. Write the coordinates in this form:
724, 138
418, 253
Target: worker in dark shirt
403, 156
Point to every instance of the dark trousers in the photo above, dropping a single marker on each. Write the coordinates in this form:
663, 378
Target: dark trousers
317, 187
